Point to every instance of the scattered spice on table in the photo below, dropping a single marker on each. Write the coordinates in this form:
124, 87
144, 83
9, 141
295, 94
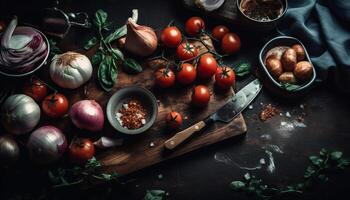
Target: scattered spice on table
132, 115
268, 112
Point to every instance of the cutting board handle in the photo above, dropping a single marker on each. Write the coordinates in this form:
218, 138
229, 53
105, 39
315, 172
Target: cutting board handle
181, 136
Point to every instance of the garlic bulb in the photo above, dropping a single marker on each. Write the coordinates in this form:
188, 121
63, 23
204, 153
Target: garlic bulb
209, 5
70, 69
140, 40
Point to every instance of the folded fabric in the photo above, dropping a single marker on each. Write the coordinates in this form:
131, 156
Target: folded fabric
324, 28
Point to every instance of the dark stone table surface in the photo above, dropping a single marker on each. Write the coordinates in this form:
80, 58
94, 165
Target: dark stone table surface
206, 173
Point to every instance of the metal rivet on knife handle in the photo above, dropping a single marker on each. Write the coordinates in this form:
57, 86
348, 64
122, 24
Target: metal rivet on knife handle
181, 136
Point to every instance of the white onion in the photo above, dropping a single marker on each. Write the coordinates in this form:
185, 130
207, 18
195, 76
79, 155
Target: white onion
20, 114
87, 115
46, 145
70, 69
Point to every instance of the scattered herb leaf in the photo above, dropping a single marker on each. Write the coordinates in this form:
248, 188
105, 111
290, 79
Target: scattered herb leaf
320, 165
90, 43
289, 87
132, 66
64, 177
242, 69
155, 195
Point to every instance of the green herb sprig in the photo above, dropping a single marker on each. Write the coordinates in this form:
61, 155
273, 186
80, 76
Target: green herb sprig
107, 57
242, 69
289, 87
320, 166
64, 177
155, 195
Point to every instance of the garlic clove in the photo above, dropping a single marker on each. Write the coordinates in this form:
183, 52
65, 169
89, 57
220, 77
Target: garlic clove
209, 5
140, 40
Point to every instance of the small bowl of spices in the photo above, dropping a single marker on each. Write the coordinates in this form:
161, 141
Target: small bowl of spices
132, 110
261, 15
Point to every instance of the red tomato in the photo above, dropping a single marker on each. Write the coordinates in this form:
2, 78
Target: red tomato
165, 77
230, 43
207, 66
81, 150
186, 51
225, 77
55, 105
36, 89
219, 31
200, 95
174, 120
171, 37
187, 74
194, 26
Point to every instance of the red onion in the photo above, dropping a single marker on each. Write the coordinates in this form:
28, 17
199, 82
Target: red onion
87, 115
46, 145
21, 48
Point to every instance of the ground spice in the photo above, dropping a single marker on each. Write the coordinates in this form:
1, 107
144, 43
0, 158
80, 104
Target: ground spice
268, 112
132, 115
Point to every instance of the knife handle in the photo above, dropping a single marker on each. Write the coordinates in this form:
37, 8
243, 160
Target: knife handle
181, 136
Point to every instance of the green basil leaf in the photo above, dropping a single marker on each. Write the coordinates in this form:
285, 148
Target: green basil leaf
316, 160
132, 66
97, 58
120, 32
100, 18
118, 54
93, 163
107, 73
242, 69
90, 43
289, 86
155, 195
237, 185
336, 155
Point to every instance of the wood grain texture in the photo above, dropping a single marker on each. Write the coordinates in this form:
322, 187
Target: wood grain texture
136, 153
228, 11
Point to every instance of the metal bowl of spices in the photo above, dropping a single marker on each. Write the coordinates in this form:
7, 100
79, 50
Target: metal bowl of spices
132, 110
261, 15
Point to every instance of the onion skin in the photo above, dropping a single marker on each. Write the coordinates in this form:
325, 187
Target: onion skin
20, 114
300, 52
287, 77
46, 145
140, 40
87, 115
274, 66
289, 59
303, 70
9, 151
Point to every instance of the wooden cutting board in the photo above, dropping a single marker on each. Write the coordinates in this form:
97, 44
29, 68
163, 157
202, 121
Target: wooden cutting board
136, 152
228, 11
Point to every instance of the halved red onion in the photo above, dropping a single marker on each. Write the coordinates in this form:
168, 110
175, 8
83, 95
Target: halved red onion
21, 48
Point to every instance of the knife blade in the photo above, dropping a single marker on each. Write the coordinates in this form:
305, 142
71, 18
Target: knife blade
233, 107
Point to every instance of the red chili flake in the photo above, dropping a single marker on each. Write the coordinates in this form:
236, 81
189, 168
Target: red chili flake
268, 112
133, 115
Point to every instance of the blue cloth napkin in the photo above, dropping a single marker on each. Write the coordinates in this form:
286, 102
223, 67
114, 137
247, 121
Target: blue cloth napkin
324, 28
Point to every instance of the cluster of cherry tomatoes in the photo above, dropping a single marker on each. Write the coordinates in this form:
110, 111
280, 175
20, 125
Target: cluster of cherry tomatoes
194, 65
56, 105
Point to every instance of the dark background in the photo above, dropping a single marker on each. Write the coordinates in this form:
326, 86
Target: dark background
198, 175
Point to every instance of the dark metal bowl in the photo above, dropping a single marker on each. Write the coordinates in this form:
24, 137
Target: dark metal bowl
256, 25
147, 99
39, 63
271, 83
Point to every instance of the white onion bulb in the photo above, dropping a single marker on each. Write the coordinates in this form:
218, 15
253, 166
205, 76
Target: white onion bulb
70, 70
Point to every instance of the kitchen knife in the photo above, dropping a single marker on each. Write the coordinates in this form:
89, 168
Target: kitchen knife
233, 107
